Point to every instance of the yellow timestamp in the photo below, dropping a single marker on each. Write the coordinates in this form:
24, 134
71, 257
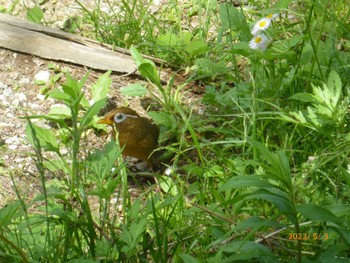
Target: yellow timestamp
308, 236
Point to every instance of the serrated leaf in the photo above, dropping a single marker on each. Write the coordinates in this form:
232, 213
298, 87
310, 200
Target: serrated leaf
55, 165
299, 116
134, 90
45, 137
335, 87
313, 117
302, 96
168, 186
163, 118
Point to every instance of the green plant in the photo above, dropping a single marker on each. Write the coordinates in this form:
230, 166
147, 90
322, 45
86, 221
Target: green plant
275, 184
65, 233
35, 14
261, 174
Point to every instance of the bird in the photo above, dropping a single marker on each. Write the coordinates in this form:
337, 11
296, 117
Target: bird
137, 135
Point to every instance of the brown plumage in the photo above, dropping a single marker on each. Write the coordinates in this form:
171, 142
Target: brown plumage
138, 135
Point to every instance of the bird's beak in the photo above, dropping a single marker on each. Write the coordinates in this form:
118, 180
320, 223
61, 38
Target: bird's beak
105, 120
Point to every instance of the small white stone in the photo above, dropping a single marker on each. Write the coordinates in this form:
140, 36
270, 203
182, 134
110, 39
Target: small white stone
40, 97
15, 102
21, 96
9, 115
12, 147
63, 151
34, 105
7, 92
24, 81
42, 75
2, 85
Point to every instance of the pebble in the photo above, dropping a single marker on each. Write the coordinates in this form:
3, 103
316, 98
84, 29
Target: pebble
42, 75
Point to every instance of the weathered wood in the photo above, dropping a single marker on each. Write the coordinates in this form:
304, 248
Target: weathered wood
27, 37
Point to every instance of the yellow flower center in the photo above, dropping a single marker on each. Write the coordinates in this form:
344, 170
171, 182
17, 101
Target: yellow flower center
258, 40
269, 16
262, 23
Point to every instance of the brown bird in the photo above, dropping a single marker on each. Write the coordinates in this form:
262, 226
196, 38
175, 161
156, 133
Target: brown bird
138, 135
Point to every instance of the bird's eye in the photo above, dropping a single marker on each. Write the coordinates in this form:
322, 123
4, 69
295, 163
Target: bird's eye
119, 117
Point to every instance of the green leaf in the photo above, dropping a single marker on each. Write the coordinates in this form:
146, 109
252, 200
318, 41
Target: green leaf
168, 39
134, 90
91, 112
234, 20
278, 7
255, 222
146, 67
149, 71
8, 213
57, 165
72, 24
54, 118
186, 258
302, 96
245, 181
60, 110
35, 14
167, 184
139, 59
72, 89
45, 137
206, 67
59, 95
335, 88
278, 169
242, 251
274, 196
344, 233
163, 118
102, 161
318, 213
197, 47
101, 88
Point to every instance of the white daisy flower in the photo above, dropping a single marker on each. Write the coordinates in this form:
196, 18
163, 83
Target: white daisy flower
272, 16
260, 42
261, 25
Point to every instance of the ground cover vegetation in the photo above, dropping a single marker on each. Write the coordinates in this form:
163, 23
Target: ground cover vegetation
262, 175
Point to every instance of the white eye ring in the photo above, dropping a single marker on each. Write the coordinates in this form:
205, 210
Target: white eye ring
119, 117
